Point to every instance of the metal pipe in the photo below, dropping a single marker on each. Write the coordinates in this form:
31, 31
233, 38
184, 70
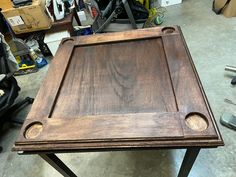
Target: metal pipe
230, 68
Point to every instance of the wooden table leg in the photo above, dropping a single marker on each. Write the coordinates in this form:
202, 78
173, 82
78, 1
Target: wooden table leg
189, 158
56, 163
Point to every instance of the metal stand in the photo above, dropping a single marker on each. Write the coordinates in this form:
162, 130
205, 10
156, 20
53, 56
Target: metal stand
189, 159
129, 13
100, 23
56, 163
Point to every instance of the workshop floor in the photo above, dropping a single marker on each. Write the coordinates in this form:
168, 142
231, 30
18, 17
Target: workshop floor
212, 43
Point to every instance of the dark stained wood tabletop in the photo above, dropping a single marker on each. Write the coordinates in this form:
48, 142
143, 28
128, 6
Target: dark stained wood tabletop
133, 89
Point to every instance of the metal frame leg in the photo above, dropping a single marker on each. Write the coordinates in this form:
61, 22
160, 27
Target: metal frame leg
188, 161
129, 13
56, 163
107, 22
75, 13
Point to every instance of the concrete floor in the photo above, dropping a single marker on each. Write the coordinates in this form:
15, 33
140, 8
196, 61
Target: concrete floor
212, 43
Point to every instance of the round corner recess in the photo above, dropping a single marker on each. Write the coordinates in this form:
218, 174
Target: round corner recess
168, 30
67, 40
33, 130
196, 121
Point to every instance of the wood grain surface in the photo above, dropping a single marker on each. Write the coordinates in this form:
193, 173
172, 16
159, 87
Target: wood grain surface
123, 90
114, 78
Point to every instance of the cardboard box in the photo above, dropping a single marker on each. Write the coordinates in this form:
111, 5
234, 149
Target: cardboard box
27, 18
229, 10
6, 4
165, 3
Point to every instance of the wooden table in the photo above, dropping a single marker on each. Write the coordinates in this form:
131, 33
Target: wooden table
120, 91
